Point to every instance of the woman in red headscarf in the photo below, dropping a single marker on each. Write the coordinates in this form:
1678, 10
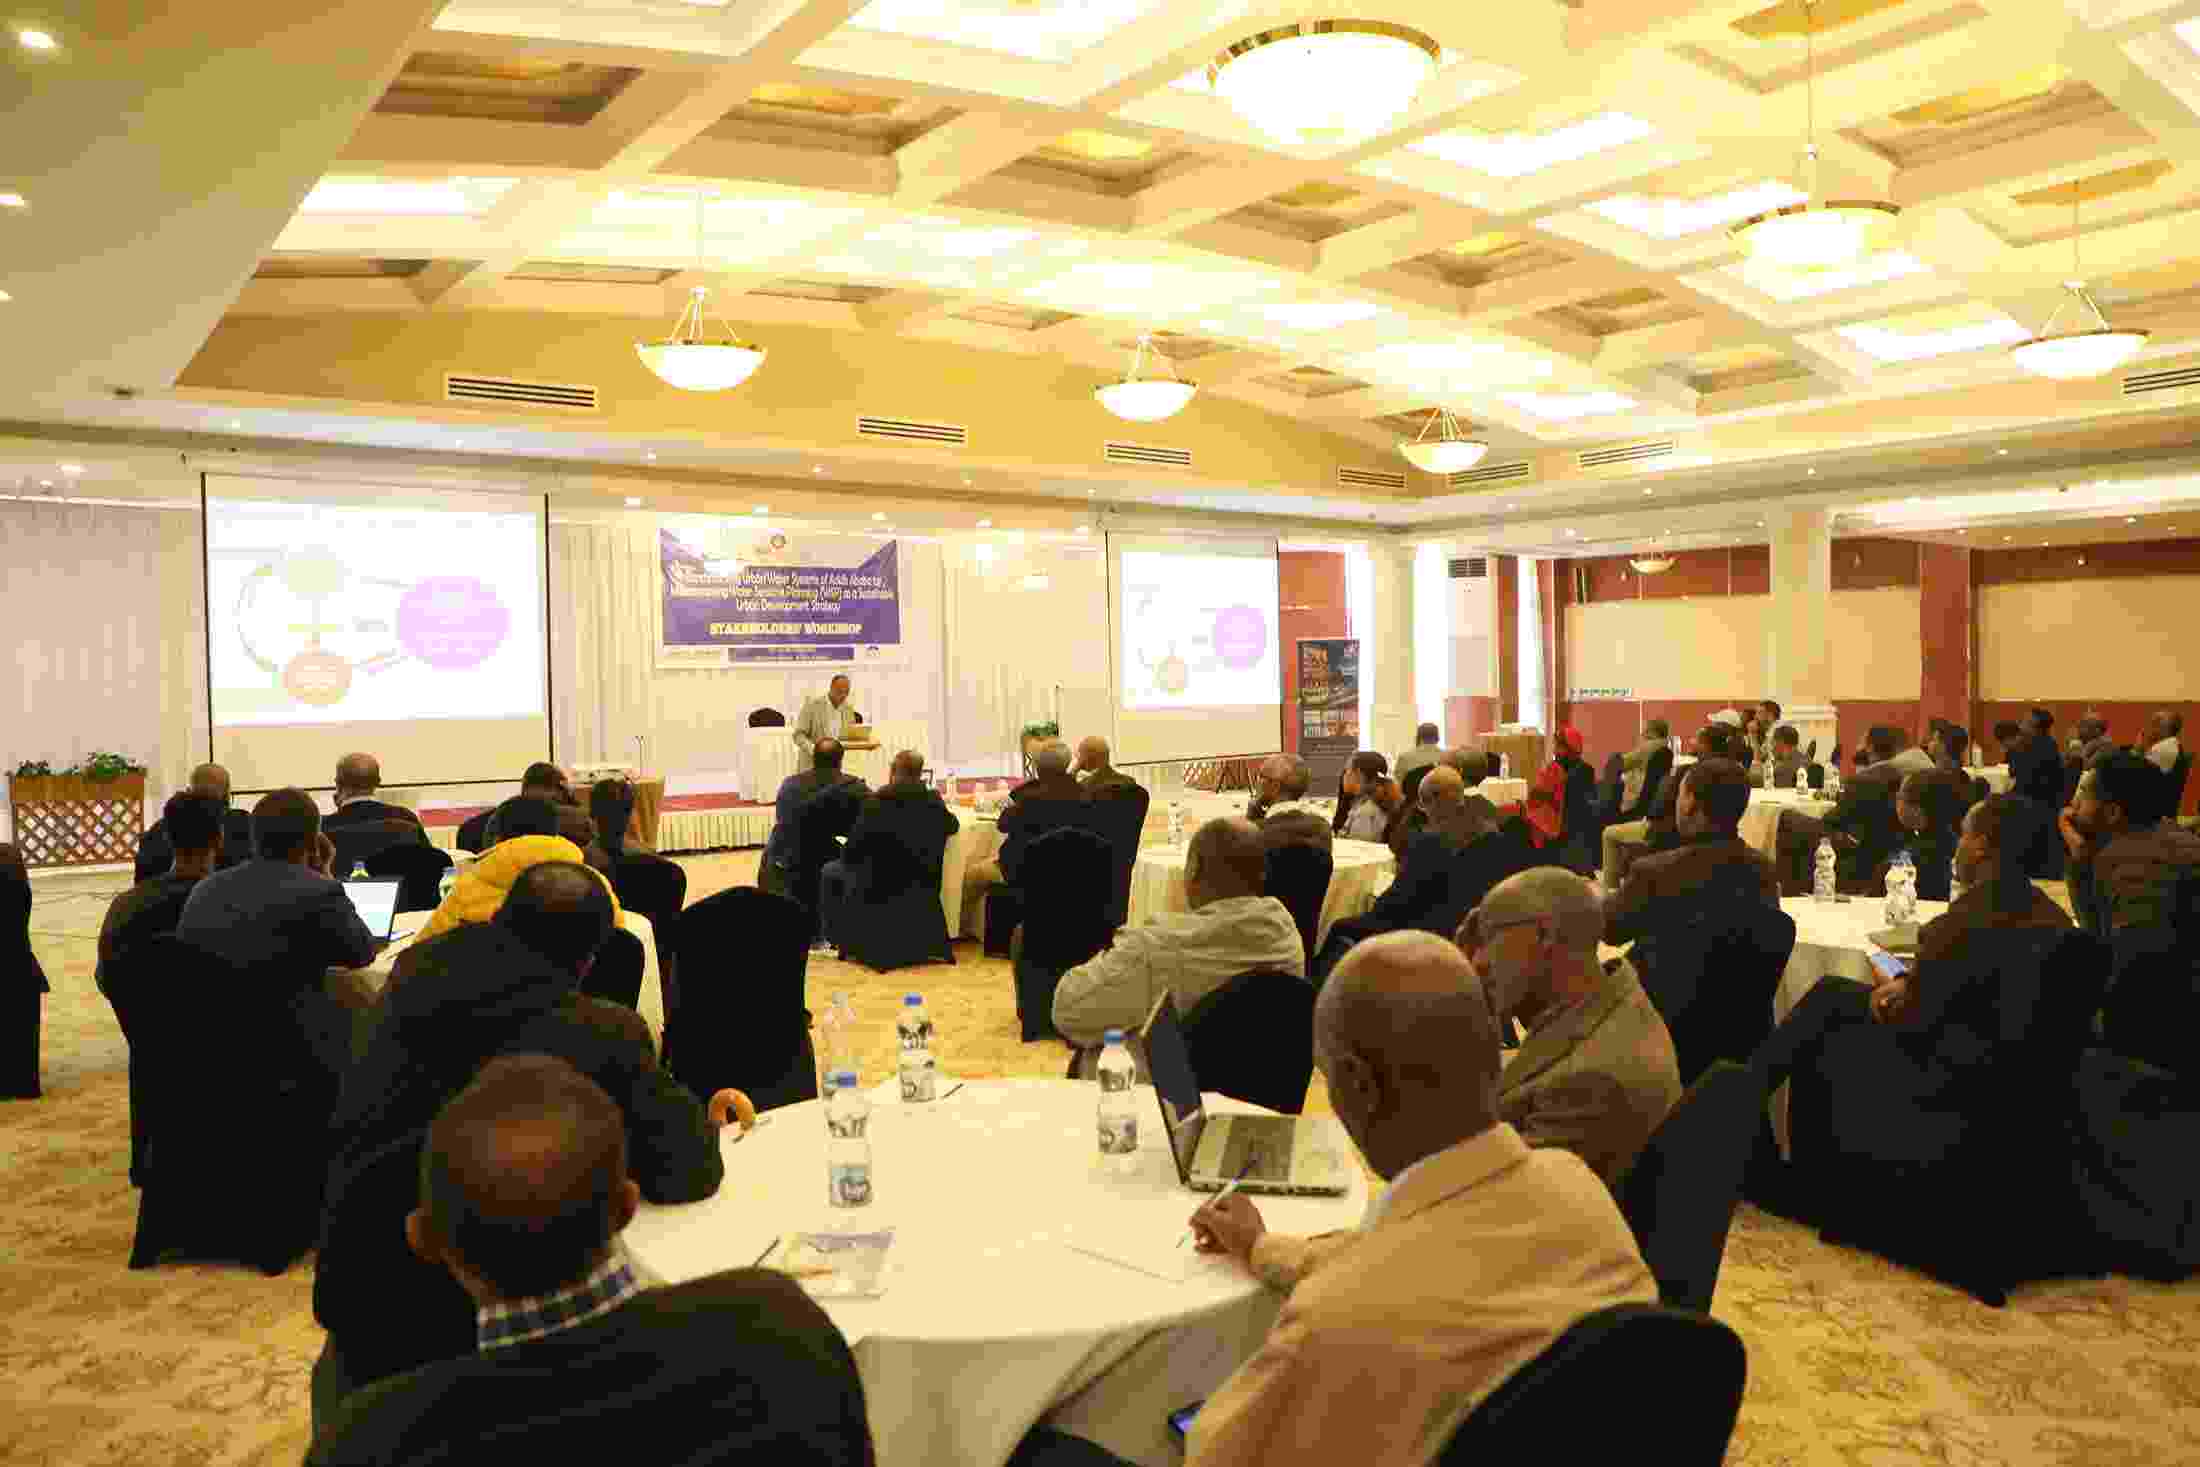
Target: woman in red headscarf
1562, 805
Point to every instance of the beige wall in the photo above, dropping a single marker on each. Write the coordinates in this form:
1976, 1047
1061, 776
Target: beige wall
2107, 639
1713, 646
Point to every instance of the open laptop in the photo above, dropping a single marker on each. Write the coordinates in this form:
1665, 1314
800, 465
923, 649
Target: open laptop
1288, 1155
376, 903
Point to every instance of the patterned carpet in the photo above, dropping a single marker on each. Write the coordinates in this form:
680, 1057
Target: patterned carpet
1853, 1363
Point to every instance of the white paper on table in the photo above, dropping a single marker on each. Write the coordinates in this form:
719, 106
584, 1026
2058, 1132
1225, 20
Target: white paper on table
1161, 1259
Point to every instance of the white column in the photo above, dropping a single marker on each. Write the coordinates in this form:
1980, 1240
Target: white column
1393, 717
1799, 626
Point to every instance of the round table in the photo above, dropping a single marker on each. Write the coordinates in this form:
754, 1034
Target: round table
1502, 791
991, 1318
1997, 776
1761, 821
1363, 869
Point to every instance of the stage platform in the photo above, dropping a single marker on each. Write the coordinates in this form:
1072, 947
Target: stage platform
686, 823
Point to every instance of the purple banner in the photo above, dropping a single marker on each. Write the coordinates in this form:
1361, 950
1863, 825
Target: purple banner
781, 600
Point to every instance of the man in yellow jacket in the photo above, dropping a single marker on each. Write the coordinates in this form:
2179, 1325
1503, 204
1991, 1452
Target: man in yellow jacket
482, 887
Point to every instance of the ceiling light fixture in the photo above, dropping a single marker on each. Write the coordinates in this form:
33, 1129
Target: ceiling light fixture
878, 514
1145, 399
1653, 565
1325, 83
762, 509
2071, 355
633, 501
14, 201
1819, 233
36, 40
1451, 451
72, 468
687, 360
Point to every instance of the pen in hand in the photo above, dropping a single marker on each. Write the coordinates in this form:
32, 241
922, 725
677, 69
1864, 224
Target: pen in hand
1243, 1173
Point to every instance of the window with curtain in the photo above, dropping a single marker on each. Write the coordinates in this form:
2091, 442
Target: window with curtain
1534, 695
1431, 633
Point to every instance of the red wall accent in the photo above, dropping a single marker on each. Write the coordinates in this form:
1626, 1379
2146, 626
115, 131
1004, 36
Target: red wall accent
1508, 638
1694, 573
1867, 565
1948, 633
2060, 563
1466, 715
1311, 589
1752, 570
1608, 727
1856, 716
2127, 724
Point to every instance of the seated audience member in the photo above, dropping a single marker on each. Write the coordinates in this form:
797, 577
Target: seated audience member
898, 839
530, 838
1949, 746
1768, 722
546, 783
1478, 1253
1459, 853
279, 911
519, 1197
2134, 877
1785, 750
1711, 872
1908, 757
197, 842
1361, 813
1100, 778
1230, 929
1408, 820
1050, 800
1280, 807
2036, 764
504, 987
2007, 735
1643, 769
782, 848
1561, 808
611, 812
2165, 734
358, 777
156, 852
23, 986
1657, 829
1864, 820
1597, 1072
1931, 807
1425, 752
2092, 739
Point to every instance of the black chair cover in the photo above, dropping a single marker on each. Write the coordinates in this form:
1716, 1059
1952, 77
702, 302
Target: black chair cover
420, 869
894, 919
1120, 818
1065, 895
742, 1020
1679, 1195
1298, 876
767, 718
657, 888
616, 975
473, 832
1712, 981
1253, 1039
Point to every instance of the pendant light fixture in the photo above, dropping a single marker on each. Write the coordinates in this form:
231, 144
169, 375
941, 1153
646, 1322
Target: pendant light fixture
1817, 234
1145, 399
687, 359
2089, 352
1451, 451
1325, 83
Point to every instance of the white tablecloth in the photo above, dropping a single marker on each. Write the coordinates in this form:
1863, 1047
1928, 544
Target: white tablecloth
1997, 777
651, 1003
989, 1319
1761, 821
1503, 791
1364, 868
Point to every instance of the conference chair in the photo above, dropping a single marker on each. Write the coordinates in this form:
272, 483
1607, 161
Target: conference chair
2180, 775
419, 871
234, 1109
1566, 1405
822, 824
657, 888
741, 1020
1253, 1039
616, 975
357, 845
473, 832
1712, 976
2152, 1002
1120, 819
767, 718
892, 917
1066, 890
1814, 776
1679, 1195
1298, 876
2137, 1131
1611, 791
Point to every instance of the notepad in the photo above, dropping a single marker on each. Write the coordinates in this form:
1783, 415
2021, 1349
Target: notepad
1159, 1258
835, 1265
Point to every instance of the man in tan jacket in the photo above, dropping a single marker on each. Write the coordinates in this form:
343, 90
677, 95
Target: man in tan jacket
1475, 1258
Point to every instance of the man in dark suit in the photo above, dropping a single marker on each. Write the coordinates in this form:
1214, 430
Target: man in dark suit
279, 910
1101, 779
1279, 806
1450, 865
156, 852
897, 843
1646, 767
1051, 800
546, 782
521, 1193
152, 908
2036, 765
776, 873
23, 986
502, 987
1711, 872
358, 778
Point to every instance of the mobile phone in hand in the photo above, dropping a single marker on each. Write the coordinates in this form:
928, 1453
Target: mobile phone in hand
1180, 1421
1887, 965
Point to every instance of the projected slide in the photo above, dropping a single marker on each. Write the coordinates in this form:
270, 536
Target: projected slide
325, 613
1198, 630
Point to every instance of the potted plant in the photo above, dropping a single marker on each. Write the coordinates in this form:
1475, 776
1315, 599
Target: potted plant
89, 813
1037, 735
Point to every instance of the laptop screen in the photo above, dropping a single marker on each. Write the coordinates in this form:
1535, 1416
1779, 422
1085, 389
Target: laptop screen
376, 902
1169, 1061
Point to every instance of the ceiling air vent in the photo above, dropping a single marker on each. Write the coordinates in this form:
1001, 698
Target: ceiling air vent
1471, 568
909, 431
1487, 474
512, 392
2168, 380
1147, 453
1352, 478
1626, 453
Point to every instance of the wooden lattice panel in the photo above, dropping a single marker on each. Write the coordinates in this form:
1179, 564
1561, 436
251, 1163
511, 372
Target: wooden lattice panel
74, 822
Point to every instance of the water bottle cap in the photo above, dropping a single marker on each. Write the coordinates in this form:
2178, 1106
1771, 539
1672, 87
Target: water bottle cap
1113, 1036
912, 1000
844, 1079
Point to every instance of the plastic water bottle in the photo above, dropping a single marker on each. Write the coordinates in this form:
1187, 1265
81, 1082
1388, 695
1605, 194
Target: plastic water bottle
444, 884
836, 1035
1821, 884
1902, 891
848, 1144
1832, 790
1118, 1105
1504, 766
917, 1076
1176, 823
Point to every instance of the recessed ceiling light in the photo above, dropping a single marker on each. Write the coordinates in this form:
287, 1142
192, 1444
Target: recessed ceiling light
966, 480
2131, 519
1084, 529
1570, 534
1648, 492
763, 509
36, 40
651, 457
985, 524
14, 201
633, 501
1810, 471
45, 483
4, 296
878, 514
236, 422
2002, 451
819, 469
72, 468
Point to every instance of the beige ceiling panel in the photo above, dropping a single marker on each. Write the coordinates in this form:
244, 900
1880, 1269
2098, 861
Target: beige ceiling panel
2024, 106
334, 267
510, 89
1621, 310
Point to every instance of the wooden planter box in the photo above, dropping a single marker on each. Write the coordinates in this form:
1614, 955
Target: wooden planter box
68, 820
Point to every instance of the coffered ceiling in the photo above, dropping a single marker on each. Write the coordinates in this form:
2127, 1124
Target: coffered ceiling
1021, 187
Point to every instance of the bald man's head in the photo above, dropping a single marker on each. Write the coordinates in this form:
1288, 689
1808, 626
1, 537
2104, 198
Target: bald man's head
1540, 931
1408, 1042
523, 1179
210, 782
1093, 753
358, 774
908, 766
1227, 858
1442, 790
1052, 760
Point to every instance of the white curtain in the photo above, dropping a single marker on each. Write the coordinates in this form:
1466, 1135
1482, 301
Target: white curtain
107, 609
1020, 623
603, 642
1535, 702
1431, 632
